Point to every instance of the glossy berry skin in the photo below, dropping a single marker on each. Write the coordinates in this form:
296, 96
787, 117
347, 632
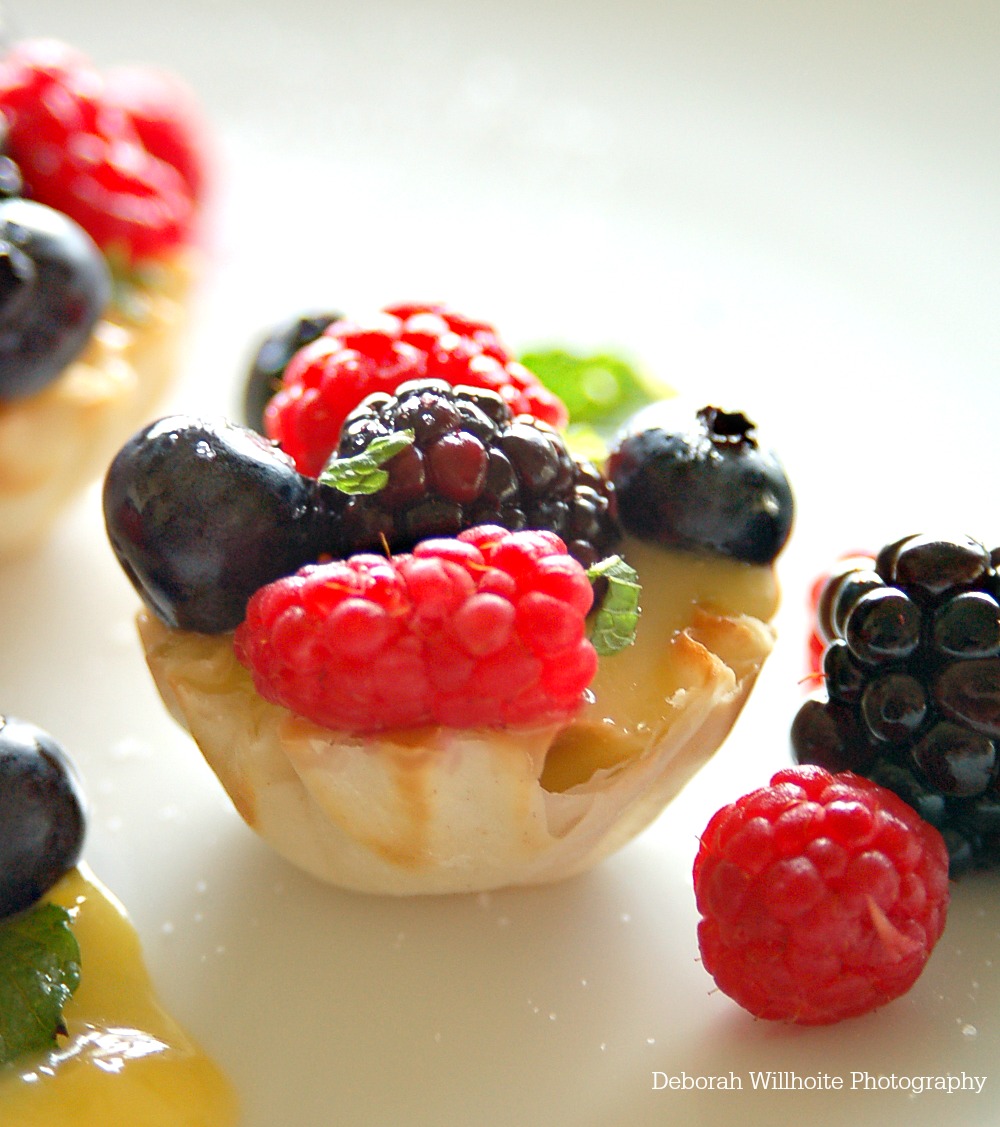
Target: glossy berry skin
271, 359
42, 814
480, 631
700, 482
329, 377
54, 285
821, 897
202, 513
911, 684
80, 152
470, 462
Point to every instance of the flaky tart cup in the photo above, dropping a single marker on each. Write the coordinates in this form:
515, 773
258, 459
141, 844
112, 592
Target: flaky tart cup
439, 810
56, 442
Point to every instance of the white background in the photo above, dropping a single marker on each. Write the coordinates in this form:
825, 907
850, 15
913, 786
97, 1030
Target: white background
785, 208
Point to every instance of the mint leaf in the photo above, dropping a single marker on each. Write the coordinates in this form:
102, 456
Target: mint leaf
600, 389
40, 958
613, 627
363, 473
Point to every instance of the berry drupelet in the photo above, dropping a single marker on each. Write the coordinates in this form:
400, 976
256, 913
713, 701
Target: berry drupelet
911, 669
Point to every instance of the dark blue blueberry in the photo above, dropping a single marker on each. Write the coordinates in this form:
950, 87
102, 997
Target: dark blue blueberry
201, 514
42, 814
701, 482
54, 285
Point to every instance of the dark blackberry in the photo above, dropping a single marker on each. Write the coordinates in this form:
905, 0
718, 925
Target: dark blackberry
470, 462
912, 672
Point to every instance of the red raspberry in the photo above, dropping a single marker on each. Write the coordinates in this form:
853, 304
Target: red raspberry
329, 377
167, 117
79, 151
479, 631
821, 896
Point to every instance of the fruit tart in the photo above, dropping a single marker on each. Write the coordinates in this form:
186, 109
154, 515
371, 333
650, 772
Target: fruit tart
83, 1039
102, 180
404, 624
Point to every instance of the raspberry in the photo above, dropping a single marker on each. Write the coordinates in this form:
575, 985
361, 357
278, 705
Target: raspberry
911, 673
329, 377
470, 462
483, 630
168, 119
821, 897
80, 152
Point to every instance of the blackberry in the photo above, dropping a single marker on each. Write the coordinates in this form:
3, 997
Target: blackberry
470, 462
912, 678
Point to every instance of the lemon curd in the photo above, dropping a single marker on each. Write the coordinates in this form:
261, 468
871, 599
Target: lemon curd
123, 1060
685, 598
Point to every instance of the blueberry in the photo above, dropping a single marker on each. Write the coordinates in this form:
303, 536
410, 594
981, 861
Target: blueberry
201, 514
54, 285
701, 482
271, 359
42, 814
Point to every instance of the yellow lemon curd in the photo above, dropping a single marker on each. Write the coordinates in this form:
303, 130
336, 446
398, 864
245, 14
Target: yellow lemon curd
124, 1060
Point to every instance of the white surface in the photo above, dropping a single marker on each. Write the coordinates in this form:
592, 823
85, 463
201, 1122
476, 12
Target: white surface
787, 208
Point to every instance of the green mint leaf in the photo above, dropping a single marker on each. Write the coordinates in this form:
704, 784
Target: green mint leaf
363, 473
612, 628
40, 958
600, 389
